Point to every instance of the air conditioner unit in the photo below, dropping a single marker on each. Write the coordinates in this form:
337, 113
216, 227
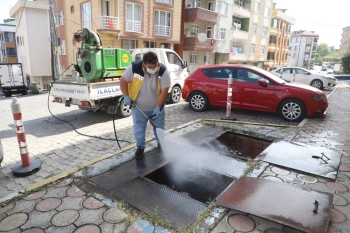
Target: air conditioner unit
237, 26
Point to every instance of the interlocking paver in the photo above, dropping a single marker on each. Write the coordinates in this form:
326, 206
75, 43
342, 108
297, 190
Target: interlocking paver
92, 203
65, 218
73, 203
24, 206
66, 229
48, 204
39, 219
56, 192
13, 222
87, 216
114, 215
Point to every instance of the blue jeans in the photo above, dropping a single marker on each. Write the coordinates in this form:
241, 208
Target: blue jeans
140, 125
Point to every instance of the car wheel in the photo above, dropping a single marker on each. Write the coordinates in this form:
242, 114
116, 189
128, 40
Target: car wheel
292, 110
198, 101
123, 110
317, 83
175, 95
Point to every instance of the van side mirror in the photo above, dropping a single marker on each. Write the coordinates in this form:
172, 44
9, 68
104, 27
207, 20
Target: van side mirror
184, 64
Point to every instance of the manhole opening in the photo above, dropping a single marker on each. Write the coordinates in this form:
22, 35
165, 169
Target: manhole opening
197, 183
240, 145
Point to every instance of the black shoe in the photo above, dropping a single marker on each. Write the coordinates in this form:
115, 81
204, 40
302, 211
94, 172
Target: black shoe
139, 153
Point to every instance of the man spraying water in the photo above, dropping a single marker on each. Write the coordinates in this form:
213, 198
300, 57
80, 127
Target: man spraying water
146, 83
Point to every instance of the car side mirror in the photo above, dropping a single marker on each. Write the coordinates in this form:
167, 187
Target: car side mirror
263, 82
184, 64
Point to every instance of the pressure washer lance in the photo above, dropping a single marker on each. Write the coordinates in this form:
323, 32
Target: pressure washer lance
148, 118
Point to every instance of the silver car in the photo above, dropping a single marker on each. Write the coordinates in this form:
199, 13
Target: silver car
301, 75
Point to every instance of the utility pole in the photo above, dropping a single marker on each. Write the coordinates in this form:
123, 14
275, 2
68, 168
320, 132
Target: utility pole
53, 42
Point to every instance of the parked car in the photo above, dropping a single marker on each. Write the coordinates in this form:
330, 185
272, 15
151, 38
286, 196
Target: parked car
343, 78
324, 67
253, 89
330, 72
302, 76
34, 88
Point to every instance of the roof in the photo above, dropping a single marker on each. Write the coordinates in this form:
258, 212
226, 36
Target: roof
9, 23
304, 33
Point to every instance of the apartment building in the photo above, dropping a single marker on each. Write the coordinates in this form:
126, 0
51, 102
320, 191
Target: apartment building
250, 31
302, 46
280, 32
8, 53
126, 24
345, 42
33, 39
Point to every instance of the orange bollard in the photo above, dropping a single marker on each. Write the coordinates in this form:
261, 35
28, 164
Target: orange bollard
26, 167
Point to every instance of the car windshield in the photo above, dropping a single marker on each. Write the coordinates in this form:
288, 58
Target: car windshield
270, 75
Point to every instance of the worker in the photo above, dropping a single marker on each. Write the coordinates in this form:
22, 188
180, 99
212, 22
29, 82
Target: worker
146, 83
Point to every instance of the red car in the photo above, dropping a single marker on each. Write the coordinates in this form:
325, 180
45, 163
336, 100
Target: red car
253, 89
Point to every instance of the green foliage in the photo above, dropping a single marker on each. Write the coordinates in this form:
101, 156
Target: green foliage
322, 50
345, 61
156, 220
325, 53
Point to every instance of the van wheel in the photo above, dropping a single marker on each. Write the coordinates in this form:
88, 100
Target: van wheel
123, 110
8, 94
175, 94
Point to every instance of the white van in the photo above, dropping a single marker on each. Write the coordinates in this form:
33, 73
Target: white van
176, 66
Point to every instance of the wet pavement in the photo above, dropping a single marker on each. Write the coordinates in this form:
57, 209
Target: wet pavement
58, 204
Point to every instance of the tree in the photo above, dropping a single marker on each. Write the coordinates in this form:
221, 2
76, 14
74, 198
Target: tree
323, 50
345, 61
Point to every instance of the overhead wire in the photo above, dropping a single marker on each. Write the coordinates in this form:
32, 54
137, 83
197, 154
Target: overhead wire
20, 17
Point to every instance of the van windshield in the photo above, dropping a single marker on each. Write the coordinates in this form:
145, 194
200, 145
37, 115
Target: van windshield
173, 59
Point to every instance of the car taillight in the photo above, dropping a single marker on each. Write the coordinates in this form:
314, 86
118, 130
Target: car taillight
85, 103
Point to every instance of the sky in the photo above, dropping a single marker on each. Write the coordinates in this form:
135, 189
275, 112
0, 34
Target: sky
326, 18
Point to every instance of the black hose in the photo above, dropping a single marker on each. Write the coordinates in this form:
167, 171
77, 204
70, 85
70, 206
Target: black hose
115, 132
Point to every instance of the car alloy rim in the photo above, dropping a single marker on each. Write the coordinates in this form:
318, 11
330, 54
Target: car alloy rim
317, 84
291, 111
197, 102
176, 95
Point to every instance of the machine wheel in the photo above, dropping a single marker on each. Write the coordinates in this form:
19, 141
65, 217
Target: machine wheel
317, 83
175, 95
198, 101
123, 110
292, 110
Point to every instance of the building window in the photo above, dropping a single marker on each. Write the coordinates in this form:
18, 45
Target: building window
254, 28
256, 7
237, 24
264, 33
223, 8
309, 41
86, 15
170, 2
262, 50
272, 40
129, 44
59, 19
162, 23
222, 33
295, 48
133, 17
271, 56
194, 29
63, 47
274, 23
206, 58
252, 48
71, 9
193, 57
239, 2
209, 32
308, 49
315, 40
149, 44
297, 40
196, 3
211, 6
266, 12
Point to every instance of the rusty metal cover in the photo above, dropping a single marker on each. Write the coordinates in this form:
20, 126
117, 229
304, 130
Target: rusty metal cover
320, 161
292, 206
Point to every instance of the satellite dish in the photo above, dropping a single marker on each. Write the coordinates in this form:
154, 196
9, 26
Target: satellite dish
202, 37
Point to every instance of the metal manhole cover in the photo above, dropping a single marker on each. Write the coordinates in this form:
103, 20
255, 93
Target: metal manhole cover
62, 119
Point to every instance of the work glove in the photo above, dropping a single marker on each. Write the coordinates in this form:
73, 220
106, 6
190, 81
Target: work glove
156, 113
127, 100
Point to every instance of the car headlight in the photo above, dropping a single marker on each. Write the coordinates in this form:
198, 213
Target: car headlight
317, 97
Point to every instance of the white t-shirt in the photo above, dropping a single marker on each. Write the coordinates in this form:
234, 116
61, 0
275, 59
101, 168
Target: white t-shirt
147, 98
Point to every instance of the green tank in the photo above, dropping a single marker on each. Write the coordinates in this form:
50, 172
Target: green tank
95, 62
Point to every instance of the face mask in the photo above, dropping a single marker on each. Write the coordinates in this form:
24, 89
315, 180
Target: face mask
151, 71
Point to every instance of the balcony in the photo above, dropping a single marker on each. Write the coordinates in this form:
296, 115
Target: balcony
10, 45
192, 44
200, 15
240, 12
237, 57
239, 36
108, 24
